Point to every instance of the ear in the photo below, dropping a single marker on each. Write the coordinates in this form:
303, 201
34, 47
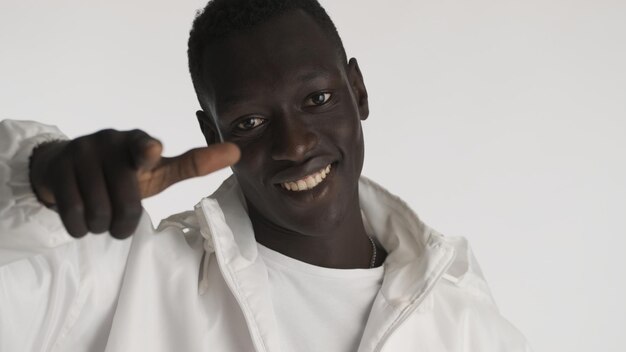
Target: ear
358, 88
207, 126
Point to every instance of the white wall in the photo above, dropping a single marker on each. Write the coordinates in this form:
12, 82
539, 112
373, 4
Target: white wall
515, 113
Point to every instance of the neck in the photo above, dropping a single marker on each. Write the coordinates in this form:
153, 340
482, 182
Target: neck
345, 246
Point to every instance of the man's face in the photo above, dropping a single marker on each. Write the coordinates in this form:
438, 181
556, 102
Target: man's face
281, 93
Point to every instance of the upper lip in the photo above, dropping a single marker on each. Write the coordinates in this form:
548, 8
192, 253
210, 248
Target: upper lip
299, 172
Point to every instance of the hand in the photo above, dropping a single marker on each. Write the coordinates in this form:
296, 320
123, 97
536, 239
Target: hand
96, 182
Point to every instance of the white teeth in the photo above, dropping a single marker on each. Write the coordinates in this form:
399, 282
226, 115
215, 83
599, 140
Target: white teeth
307, 182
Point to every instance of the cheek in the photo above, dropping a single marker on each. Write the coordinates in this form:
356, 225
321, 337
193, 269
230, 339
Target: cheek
349, 135
249, 168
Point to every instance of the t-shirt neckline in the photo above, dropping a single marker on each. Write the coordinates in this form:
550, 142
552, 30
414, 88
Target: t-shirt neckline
273, 257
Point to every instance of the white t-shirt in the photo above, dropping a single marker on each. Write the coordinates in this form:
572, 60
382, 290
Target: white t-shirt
317, 308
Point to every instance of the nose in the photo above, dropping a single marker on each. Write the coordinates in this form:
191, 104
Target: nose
293, 140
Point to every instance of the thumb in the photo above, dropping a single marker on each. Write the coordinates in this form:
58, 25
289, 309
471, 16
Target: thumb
199, 162
151, 155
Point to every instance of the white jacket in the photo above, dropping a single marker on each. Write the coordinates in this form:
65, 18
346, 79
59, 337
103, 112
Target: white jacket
197, 282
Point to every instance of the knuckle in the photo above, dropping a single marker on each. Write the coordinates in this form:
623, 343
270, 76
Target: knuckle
79, 147
105, 132
128, 213
135, 135
74, 228
136, 138
99, 213
106, 135
98, 220
72, 210
125, 220
120, 234
77, 233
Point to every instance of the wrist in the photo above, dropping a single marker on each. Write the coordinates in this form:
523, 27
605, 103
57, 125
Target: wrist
37, 166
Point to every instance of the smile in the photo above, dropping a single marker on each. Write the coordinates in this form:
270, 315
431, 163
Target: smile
308, 182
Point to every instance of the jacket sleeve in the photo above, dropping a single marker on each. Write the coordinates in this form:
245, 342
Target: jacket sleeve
27, 227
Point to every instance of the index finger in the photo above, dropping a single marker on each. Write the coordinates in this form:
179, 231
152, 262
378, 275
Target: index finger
201, 161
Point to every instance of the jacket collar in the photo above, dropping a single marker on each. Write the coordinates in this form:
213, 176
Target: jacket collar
417, 258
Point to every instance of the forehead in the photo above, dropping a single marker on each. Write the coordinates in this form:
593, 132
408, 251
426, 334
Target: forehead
285, 50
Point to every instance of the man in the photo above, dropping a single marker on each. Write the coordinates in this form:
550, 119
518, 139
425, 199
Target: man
295, 252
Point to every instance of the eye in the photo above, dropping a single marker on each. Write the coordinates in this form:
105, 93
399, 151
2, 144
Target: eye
318, 99
249, 123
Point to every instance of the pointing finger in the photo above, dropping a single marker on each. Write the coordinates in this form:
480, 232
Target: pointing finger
200, 161
213, 158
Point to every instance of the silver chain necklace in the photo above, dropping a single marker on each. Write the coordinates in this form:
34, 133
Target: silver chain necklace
373, 260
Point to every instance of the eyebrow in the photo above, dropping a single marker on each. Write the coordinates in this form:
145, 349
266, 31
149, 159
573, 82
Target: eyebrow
304, 77
311, 75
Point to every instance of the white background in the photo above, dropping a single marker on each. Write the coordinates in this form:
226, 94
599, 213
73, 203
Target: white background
502, 121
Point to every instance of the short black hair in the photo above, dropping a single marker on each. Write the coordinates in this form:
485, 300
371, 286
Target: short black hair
221, 18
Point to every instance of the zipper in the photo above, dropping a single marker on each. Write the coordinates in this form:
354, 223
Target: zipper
414, 305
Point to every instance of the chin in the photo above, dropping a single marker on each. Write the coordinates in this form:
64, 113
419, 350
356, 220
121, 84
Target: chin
319, 219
